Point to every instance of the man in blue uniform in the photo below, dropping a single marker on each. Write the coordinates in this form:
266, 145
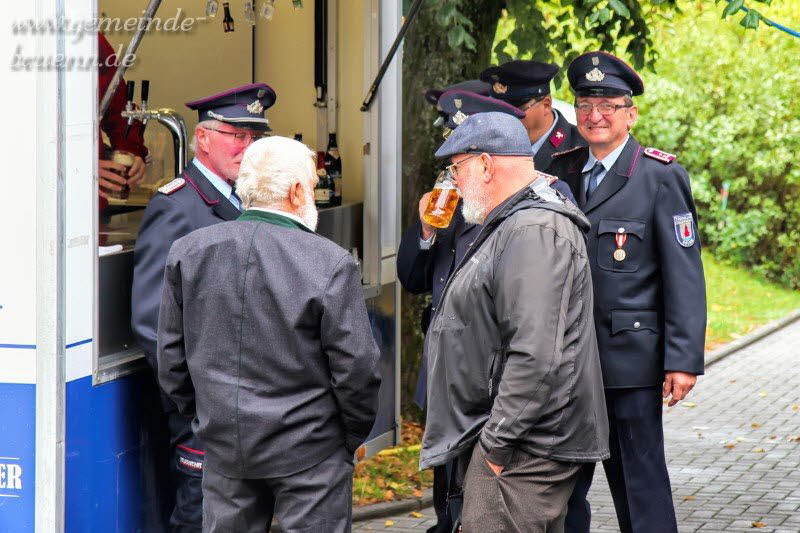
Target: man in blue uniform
526, 84
203, 195
650, 306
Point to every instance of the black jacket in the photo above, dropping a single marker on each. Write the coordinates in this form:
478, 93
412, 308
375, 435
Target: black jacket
650, 307
168, 217
512, 355
565, 137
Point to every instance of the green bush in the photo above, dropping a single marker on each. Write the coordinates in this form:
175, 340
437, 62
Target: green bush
727, 103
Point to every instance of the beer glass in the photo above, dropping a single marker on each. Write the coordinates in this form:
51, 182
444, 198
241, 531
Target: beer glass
442, 203
126, 159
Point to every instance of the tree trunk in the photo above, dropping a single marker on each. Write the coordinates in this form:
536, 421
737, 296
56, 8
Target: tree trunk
429, 62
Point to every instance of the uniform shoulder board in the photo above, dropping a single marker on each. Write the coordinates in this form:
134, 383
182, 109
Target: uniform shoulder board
174, 185
549, 177
658, 155
559, 154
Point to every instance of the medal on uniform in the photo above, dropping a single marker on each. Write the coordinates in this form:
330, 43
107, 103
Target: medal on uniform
619, 253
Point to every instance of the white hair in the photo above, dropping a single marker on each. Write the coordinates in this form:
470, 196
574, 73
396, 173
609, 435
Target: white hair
270, 167
210, 124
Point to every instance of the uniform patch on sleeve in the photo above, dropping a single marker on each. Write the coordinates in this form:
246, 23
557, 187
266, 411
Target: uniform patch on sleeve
684, 229
658, 155
172, 186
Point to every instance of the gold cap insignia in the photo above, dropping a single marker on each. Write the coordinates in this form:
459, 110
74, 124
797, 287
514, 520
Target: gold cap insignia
457, 101
499, 88
459, 117
262, 92
595, 61
255, 108
595, 75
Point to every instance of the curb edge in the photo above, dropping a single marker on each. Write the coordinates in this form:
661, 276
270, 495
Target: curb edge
751, 338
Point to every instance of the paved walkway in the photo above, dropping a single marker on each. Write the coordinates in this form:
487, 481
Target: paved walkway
733, 448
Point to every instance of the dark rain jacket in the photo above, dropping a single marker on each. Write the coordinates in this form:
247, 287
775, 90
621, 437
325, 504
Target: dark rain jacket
511, 350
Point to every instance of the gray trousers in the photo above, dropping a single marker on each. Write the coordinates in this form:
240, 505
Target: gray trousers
313, 500
529, 496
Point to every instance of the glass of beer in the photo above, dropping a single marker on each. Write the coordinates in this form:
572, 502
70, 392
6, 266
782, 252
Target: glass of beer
442, 203
126, 159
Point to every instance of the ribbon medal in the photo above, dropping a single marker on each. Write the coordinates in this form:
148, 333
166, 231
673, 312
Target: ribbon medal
619, 239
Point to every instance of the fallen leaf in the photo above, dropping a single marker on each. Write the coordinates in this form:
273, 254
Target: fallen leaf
773, 437
699, 428
795, 408
416, 514
688, 498
755, 425
416, 493
394, 485
741, 439
730, 446
759, 450
759, 525
763, 394
732, 381
388, 495
388, 523
690, 405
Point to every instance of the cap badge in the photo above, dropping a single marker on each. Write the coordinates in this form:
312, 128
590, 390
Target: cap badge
457, 102
595, 75
595, 61
499, 88
255, 108
262, 92
459, 117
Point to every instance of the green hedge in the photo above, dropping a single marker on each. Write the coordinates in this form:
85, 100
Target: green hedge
728, 104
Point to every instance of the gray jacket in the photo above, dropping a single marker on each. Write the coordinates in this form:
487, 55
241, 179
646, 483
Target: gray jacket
264, 339
512, 353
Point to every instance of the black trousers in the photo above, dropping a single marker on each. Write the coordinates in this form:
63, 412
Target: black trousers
186, 475
441, 477
637, 469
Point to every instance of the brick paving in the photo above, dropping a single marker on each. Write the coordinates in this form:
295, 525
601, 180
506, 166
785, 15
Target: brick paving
733, 448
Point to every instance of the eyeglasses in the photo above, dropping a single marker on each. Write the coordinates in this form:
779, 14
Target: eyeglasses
527, 106
603, 108
453, 168
241, 138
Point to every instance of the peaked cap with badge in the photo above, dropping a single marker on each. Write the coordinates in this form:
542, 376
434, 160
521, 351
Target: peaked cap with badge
459, 104
649, 294
602, 74
473, 86
241, 106
519, 80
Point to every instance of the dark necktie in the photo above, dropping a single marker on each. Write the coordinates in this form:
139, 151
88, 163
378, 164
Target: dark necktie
597, 169
238, 201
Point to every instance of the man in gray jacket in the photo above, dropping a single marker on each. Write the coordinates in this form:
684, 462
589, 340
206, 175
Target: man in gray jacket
515, 388
264, 341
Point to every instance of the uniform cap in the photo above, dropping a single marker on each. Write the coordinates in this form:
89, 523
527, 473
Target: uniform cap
493, 133
242, 106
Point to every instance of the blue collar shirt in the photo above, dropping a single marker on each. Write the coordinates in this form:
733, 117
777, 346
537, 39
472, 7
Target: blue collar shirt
220, 184
607, 162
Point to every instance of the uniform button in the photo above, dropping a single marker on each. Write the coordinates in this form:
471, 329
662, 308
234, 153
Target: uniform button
621, 230
441, 279
433, 309
453, 250
636, 325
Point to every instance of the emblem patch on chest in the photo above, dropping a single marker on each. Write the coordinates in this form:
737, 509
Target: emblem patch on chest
684, 229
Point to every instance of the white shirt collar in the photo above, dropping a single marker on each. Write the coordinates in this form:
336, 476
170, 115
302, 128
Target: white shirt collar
609, 160
281, 213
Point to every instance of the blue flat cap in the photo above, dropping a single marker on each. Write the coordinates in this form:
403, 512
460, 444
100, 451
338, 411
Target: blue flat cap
473, 86
242, 106
458, 105
493, 133
520, 80
603, 74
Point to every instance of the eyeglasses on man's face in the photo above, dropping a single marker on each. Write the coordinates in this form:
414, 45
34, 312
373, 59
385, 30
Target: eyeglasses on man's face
241, 138
604, 108
453, 168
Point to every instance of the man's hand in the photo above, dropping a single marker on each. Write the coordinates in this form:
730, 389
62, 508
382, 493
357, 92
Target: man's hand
109, 179
678, 384
136, 172
497, 469
427, 229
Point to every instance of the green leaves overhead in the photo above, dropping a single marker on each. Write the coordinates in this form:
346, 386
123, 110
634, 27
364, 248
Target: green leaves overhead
619, 7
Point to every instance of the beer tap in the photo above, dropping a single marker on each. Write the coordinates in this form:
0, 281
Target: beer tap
129, 106
145, 95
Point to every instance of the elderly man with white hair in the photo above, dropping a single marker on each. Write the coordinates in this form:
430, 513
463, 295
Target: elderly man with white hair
264, 341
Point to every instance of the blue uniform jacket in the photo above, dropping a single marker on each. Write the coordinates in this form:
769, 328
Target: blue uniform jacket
168, 217
650, 303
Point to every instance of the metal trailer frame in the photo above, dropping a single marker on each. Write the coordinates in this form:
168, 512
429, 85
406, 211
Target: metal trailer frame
382, 151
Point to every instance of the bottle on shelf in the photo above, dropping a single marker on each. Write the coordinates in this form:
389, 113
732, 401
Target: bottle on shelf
333, 166
298, 137
227, 20
323, 192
